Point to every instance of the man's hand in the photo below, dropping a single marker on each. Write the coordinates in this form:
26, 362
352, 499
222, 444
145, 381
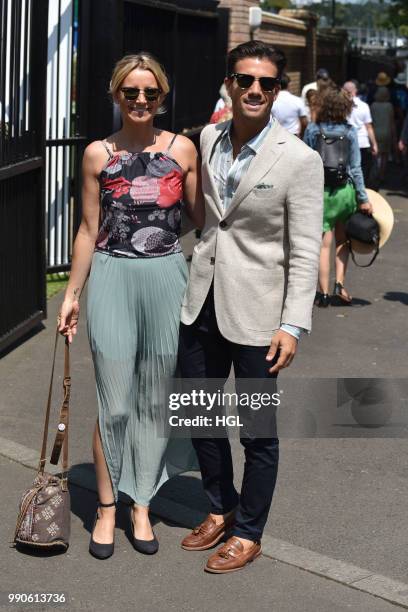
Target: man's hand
286, 344
402, 146
366, 208
374, 149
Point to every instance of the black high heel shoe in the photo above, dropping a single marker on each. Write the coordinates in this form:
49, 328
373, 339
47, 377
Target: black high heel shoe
322, 300
340, 295
146, 547
101, 551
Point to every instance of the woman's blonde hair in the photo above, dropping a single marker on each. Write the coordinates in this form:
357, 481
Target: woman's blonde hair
144, 61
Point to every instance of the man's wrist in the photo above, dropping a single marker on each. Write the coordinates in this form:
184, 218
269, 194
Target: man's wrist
293, 330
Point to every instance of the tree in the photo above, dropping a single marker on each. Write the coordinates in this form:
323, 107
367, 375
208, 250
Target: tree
273, 6
369, 14
397, 16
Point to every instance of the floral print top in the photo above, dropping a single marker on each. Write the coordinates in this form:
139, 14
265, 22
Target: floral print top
141, 199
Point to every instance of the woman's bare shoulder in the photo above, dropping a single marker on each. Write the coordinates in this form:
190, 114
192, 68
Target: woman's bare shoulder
96, 155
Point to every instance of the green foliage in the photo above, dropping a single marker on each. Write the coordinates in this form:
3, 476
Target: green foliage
56, 282
396, 16
368, 14
275, 5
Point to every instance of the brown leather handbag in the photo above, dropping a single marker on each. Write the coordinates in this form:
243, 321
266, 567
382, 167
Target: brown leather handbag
44, 517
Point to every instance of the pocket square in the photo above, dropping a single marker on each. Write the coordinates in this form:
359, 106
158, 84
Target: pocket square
263, 186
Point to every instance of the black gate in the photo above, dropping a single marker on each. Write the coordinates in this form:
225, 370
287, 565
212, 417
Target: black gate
189, 37
23, 62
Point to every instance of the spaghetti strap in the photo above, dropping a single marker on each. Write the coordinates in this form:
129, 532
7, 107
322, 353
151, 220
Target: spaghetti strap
171, 143
109, 152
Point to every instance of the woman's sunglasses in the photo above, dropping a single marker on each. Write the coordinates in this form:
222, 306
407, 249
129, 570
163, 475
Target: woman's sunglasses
245, 81
132, 93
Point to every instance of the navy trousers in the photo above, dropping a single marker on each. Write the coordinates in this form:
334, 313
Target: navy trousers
205, 353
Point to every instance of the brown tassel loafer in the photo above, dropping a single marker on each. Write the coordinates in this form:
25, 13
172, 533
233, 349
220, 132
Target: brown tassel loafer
232, 557
207, 534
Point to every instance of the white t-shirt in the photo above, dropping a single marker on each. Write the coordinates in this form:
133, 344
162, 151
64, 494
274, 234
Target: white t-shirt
360, 115
287, 109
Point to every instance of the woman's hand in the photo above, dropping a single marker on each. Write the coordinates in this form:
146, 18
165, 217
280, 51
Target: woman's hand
68, 319
366, 208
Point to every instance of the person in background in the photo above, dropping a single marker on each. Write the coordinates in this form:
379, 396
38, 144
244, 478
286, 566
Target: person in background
312, 102
403, 145
403, 141
360, 118
290, 110
382, 112
401, 95
362, 90
222, 110
401, 102
382, 80
322, 77
340, 201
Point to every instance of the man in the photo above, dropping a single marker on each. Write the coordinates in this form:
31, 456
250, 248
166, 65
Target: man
251, 288
322, 76
360, 117
289, 110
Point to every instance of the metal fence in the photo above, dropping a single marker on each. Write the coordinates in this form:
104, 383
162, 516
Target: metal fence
64, 124
23, 29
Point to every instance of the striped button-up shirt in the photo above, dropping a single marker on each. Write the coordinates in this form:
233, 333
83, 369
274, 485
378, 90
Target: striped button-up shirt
229, 171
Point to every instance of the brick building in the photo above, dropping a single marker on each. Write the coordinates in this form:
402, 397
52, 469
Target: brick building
295, 32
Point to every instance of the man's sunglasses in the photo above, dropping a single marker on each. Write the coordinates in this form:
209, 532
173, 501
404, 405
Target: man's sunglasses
245, 81
132, 93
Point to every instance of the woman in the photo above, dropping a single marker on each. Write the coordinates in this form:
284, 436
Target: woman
339, 202
140, 175
312, 98
382, 112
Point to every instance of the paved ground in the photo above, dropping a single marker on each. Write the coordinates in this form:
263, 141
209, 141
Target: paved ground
343, 496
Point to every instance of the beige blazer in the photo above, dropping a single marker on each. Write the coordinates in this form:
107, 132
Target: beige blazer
263, 252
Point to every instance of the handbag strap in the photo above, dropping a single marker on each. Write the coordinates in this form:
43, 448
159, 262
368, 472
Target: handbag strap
61, 439
377, 250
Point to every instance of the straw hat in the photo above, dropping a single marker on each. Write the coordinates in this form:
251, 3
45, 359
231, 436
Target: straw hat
382, 79
383, 214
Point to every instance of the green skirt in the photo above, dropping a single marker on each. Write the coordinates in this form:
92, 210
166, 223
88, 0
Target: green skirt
133, 315
339, 205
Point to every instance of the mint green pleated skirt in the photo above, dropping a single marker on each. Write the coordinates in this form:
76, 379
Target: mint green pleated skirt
133, 314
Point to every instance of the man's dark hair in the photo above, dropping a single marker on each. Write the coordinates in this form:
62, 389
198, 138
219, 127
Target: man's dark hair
284, 82
256, 48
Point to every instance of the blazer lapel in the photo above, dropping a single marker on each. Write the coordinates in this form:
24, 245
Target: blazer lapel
267, 156
208, 175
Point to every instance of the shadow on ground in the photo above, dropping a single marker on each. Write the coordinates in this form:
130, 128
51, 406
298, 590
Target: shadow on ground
396, 296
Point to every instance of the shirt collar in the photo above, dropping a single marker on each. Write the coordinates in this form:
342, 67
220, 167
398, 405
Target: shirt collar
255, 143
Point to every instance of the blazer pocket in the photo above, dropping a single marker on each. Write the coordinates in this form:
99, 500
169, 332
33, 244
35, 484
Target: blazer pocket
263, 192
263, 305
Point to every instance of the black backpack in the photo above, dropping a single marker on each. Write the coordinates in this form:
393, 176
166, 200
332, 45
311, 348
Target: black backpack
335, 153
